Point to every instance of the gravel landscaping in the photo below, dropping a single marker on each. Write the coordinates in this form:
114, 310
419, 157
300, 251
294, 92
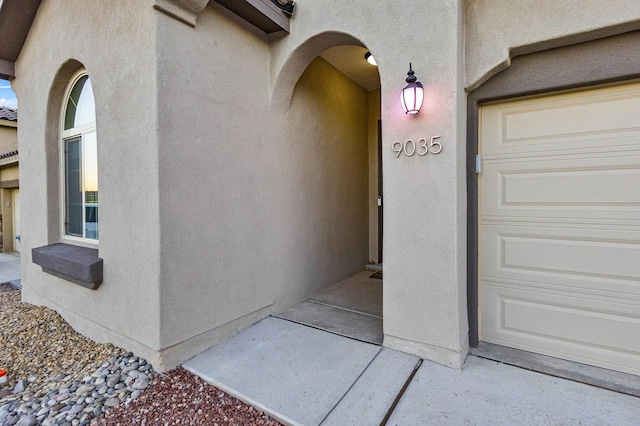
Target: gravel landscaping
181, 398
56, 376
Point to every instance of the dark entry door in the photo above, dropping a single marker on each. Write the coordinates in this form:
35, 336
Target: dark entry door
380, 199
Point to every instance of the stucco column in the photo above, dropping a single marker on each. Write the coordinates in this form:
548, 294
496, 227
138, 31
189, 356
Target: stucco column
425, 195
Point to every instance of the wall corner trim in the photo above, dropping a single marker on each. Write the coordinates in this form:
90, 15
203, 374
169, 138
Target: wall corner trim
185, 11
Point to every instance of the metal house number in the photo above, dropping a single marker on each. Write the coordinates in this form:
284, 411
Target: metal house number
422, 148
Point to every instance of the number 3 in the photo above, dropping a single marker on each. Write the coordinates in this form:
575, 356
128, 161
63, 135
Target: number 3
423, 144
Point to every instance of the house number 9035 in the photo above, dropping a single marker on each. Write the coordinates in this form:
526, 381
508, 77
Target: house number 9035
422, 147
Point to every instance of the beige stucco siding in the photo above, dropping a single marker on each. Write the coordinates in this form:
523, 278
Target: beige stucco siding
9, 173
325, 191
8, 137
424, 216
496, 28
212, 142
259, 209
237, 172
116, 45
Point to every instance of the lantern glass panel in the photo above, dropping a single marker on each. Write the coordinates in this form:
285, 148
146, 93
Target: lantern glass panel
411, 98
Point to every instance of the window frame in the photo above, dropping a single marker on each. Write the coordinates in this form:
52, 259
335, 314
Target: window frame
64, 136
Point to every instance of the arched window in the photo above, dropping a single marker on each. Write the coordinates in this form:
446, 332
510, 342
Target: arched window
80, 168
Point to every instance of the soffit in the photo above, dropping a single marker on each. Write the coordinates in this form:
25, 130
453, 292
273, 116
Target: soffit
351, 62
16, 17
262, 14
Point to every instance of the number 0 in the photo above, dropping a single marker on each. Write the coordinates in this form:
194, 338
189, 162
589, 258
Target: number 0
413, 150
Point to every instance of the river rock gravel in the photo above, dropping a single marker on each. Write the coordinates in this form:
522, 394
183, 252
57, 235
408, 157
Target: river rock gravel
181, 398
55, 375
70, 380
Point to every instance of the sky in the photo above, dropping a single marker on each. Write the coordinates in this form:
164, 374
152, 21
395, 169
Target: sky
7, 97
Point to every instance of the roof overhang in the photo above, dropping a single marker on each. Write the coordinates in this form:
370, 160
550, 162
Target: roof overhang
16, 17
262, 14
9, 158
8, 123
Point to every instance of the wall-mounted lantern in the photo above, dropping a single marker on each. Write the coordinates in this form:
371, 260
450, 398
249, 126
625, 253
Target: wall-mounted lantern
369, 57
412, 96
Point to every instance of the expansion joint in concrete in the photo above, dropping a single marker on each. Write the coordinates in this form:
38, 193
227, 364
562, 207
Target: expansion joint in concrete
402, 391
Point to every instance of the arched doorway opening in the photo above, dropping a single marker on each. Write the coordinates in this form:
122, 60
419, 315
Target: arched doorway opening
335, 111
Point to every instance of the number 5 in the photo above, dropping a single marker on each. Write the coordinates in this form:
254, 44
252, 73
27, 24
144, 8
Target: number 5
435, 143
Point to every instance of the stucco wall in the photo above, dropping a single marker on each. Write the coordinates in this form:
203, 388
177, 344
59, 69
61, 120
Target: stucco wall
234, 169
233, 184
259, 208
325, 190
9, 173
499, 29
211, 135
116, 45
425, 205
8, 138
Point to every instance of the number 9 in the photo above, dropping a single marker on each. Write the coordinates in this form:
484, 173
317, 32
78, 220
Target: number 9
398, 151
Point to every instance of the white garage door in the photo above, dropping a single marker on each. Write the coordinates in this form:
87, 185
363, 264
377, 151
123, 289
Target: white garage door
560, 226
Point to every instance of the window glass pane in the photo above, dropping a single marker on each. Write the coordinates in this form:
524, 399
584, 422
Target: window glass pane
90, 168
80, 104
86, 111
73, 187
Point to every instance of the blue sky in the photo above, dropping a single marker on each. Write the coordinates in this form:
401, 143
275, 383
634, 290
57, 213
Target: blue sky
7, 97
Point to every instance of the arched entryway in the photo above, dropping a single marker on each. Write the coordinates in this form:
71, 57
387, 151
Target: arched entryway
334, 110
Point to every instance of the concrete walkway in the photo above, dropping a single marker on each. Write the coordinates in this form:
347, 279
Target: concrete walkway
305, 376
10, 268
351, 308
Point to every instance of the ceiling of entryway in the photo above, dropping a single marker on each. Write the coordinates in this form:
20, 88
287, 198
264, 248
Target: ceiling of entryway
350, 60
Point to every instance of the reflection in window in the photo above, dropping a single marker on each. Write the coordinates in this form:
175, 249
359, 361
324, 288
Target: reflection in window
80, 145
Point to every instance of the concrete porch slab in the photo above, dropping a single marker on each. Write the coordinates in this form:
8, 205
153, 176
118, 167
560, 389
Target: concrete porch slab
486, 392
371, 397
336, 320
297, 373
358, 293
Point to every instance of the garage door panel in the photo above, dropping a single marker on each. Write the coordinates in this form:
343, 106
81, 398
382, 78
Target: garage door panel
605, 334
581, 120
575, 257
559, 226
572, 187
585, 259
581, 188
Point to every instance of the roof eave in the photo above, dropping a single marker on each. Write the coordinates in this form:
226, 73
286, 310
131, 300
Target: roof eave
8, 123
16, 18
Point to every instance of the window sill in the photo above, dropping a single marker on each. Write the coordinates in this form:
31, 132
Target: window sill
80, 242
80, 265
